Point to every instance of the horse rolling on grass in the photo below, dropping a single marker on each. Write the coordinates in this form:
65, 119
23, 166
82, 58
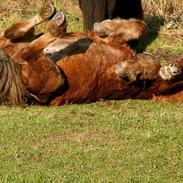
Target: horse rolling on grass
60, 67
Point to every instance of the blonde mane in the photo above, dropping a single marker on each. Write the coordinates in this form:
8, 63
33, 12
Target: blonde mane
12, 89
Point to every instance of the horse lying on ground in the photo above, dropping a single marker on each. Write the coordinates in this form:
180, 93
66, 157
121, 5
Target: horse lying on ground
60, 67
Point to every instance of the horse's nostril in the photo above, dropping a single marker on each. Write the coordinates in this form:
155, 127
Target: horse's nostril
50, 54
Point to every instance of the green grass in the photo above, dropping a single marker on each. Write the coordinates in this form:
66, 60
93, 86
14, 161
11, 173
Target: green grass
158, 37
122, 141
169, 43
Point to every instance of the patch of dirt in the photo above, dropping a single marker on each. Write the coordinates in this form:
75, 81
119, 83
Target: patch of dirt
76, 137
82, 137
53, 140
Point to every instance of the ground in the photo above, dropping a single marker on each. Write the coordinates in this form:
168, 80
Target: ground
108, 141
114, 141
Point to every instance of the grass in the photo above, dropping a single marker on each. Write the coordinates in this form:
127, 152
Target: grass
16, 11
107, 142
122, 141
159, 37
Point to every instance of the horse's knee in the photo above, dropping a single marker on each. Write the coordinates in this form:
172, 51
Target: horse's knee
124, 70
138, 69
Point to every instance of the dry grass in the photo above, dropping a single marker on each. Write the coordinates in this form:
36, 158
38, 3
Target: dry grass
162, 7
170, 10
22, 7
165, 19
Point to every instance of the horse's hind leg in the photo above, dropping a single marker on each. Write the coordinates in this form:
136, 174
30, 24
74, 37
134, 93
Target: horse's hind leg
123, 29
20, 29
56, 28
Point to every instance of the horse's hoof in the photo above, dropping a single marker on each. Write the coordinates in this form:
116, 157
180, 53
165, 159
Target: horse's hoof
170, 71
47, 11
59, 19
57, 25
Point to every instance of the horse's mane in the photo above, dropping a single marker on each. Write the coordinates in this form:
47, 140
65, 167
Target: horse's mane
12, 89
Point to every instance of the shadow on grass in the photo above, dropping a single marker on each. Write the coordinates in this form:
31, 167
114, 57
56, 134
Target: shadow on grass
154, 24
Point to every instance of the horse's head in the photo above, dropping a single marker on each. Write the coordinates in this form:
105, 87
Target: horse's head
37, 78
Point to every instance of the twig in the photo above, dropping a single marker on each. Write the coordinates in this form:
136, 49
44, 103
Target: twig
160, 11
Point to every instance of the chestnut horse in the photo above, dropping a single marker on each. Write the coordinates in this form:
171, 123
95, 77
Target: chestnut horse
60, 67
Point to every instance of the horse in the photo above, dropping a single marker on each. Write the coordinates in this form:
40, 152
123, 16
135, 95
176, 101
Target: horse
60, 67
99, 10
